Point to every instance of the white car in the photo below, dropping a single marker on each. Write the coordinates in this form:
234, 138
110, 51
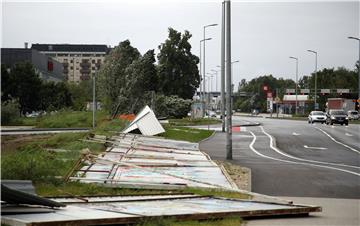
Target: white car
353, 115
317, 116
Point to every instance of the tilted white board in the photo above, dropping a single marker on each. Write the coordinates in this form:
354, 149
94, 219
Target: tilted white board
146, 122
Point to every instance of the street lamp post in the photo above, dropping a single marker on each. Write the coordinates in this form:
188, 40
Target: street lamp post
202, 94
204, 71
296, 85
359, 65
316, 59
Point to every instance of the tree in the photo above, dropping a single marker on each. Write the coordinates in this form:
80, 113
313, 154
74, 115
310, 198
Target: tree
112, 78
23, 84
177, 69
80, 94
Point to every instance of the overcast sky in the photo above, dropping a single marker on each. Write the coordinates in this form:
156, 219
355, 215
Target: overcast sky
264, 33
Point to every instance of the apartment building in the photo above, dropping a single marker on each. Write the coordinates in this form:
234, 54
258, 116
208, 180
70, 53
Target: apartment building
80, 62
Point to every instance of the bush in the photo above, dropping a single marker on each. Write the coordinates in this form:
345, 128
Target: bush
172, 106
10, 113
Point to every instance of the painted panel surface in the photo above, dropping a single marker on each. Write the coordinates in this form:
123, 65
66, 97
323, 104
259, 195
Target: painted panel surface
155, 161
130, 209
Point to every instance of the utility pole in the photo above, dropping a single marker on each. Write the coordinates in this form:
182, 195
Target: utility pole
222, 67
296, 85
228, 81
204, 64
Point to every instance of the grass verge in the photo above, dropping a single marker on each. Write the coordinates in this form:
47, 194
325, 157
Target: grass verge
186, 134
193, 122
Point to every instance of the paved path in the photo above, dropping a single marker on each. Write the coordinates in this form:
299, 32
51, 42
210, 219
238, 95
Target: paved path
336, 212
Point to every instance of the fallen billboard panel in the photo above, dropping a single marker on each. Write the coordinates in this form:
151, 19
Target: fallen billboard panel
152, 162
132, 209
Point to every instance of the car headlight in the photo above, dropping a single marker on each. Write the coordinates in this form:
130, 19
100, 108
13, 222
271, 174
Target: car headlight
347, 118
332, 117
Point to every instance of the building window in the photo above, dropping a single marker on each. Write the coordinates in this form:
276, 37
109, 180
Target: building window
71, 68
93, 68
71, 61
65, 60
93, 61
86, 55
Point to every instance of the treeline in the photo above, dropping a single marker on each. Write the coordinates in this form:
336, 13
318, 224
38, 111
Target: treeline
129, 80
22, 91
340, 78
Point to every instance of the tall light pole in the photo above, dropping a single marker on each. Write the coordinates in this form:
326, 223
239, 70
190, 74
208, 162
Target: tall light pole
222, 67
228, 79
315, 72
296, 85
204, 71
359, 65
203, 94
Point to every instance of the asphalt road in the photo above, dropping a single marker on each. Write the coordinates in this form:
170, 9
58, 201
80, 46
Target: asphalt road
294, 158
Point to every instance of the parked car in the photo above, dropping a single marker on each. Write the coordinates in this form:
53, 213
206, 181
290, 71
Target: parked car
353, 115
317, 116
337, 117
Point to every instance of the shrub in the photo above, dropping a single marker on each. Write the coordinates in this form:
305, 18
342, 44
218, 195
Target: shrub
10, 113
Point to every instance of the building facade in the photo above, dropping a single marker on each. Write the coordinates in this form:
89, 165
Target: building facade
48, 68
80, 62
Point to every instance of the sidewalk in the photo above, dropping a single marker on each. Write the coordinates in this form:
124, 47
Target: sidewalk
335, 212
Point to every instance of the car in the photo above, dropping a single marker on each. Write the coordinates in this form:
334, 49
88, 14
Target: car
353, 115
336, 116
317, 116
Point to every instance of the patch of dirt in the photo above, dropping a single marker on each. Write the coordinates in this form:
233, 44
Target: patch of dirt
240, 175
11, 143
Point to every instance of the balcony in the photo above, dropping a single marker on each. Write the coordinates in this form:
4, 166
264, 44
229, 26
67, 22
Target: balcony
85, 64
85, 70
65, 64
85, 77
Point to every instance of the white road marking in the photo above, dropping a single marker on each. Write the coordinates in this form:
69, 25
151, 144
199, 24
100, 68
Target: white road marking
348, 134
299, 163
317, 148
272, 146
296, 134
338, 142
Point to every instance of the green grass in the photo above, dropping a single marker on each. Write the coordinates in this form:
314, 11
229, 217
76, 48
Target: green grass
186, 134
193, 122
63, 119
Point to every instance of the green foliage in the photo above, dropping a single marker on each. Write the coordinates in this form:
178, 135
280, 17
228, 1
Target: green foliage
10, 114
54, 96
187, 134
24, 84
172, 106
178, 71
112, 77
258, 98
33, 94
80, 94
